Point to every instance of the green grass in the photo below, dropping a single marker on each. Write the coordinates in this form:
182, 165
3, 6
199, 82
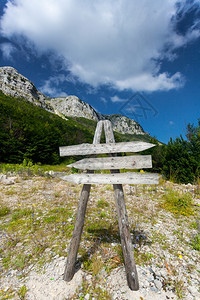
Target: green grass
4, 210
102, 203
35, 231
22, 292
28, 168
93, 289
195, 243
178, 203
20, 213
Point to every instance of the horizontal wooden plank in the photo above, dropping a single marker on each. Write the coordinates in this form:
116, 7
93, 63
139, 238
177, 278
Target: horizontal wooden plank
86, 149
112, 163
116, 178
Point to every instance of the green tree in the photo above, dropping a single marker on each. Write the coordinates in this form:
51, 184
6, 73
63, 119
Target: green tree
181, 160
193, 136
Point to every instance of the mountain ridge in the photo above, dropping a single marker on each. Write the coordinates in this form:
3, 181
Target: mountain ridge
14, 84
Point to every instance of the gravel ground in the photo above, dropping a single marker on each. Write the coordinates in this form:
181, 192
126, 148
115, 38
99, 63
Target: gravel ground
168, 267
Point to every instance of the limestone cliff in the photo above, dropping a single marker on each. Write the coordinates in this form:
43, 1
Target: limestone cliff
14, 84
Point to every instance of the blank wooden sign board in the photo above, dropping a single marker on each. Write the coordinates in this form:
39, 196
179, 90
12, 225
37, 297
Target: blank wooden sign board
116, 178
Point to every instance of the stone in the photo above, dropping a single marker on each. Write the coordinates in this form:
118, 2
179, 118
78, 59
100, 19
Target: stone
150, 278
193, 290
153, 289
87, 297
158, 284
3, 177
8, 181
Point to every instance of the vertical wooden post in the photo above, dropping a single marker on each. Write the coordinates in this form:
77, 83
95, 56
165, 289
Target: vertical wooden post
127, 247
78, 228
76, 237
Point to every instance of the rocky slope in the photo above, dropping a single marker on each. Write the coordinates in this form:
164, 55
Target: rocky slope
74, 107
14, 84
125, 125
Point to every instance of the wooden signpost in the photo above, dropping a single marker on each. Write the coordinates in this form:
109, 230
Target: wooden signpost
110, 163
86, 149
117, 179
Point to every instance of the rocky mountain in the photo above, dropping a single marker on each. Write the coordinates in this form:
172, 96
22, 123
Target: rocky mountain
125, 125
14, 84
74, 107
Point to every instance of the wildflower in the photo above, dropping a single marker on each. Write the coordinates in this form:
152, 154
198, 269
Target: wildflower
180, 256
19, 204
141, 171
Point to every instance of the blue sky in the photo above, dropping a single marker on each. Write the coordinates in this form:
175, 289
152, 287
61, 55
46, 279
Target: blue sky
137, 58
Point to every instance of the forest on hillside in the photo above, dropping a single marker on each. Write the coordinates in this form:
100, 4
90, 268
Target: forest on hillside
31, 133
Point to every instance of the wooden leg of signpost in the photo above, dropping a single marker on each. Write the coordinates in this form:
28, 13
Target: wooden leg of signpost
127, 247
78, 228
76, 237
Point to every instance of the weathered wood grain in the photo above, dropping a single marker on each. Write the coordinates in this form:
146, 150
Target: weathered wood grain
98, 133
126, 243
116, 178
80, 216
127, 247
110, 163
87, 149
76, 236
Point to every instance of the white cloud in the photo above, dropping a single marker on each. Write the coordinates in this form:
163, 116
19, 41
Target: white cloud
104, 100
7, 50
152, 83
111, 42
115, 99
50, 86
